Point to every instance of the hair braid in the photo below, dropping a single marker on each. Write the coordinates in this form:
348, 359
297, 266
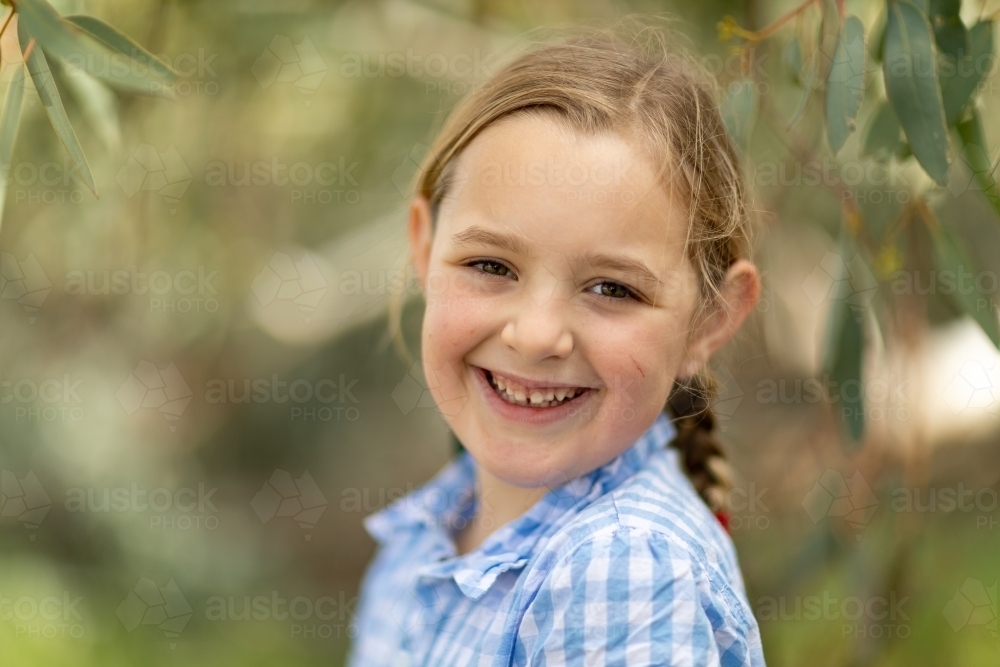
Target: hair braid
701, 453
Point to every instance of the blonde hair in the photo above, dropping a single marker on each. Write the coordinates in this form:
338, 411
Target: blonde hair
634, 79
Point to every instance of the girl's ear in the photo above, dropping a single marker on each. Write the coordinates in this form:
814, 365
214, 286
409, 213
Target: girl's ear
419, 229
739, 294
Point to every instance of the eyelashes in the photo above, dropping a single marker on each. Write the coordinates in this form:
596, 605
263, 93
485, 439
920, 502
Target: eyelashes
500, 270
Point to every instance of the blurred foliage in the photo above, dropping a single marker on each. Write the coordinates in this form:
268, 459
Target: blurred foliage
199, 401
932, 66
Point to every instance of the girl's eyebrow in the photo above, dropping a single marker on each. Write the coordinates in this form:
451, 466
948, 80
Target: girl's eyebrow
626, 265
477, 236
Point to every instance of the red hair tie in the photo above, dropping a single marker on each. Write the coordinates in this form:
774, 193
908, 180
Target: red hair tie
723, 518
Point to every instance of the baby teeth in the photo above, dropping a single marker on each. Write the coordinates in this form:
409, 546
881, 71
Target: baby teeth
516, 394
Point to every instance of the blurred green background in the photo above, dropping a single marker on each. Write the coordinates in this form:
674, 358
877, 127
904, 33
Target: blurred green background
200, 402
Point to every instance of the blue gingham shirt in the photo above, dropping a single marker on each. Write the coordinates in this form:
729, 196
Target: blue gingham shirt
624, 565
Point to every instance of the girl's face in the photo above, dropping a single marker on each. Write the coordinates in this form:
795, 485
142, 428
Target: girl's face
556, 271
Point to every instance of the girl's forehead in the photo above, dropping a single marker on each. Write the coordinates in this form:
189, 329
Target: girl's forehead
535, 176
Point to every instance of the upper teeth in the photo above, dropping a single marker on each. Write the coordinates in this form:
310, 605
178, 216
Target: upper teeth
540, 396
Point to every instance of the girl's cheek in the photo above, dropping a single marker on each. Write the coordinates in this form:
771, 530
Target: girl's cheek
456, 315
637, 359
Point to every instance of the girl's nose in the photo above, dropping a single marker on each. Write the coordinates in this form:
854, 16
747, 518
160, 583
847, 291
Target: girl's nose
538, 332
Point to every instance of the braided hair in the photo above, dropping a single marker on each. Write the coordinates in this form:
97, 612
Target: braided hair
701, 453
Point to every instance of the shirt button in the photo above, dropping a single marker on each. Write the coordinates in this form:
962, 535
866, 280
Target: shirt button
402, 659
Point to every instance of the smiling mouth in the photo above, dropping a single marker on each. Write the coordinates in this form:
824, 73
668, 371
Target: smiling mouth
542, 397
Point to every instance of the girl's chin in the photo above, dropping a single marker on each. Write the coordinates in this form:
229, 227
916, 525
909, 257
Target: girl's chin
513, 464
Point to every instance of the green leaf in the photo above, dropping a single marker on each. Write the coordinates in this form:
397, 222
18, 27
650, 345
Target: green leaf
960, 77
856, 286
845, 367
98, 105
949, 31
911, 84
123, 44
951, 257
809, 85
845, 87
739, 110
977, 158
883, 132
57, 37
8, 131
877, 42
829, 30
41, 75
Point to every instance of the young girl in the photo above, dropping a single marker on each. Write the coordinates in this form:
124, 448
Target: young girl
580, 234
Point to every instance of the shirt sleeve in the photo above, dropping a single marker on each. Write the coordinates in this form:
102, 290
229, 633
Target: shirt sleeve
630, 599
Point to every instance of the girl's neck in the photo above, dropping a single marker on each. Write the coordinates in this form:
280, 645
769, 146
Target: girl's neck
498, 504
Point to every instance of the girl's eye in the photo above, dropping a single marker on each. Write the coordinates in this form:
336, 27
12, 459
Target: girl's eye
491, 267
613, 291
609, 290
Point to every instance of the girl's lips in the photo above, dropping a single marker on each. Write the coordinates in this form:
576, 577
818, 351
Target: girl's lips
528, 414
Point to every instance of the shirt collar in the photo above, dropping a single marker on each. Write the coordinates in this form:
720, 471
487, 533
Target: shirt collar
448, 500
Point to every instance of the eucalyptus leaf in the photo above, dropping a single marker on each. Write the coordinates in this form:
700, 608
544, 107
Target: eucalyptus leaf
949, 31
977, 158
829, 29
123, 44
98, 105
911, 85
809, 85
41, 75
846, 368
950, 257
883, 132
57, 38
960, 77
845, 87
855, 287
877, 41
8, 131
